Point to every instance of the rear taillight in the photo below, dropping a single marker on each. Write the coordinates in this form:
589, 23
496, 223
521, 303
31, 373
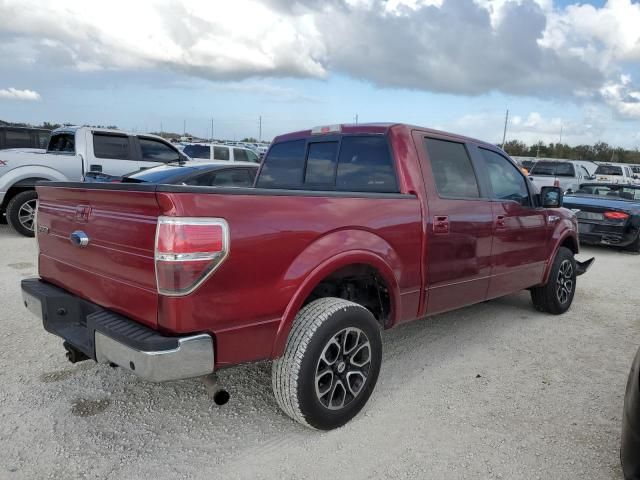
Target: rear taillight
616, 215
187, 251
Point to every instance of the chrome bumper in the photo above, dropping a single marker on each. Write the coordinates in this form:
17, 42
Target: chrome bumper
107, 337
192, 358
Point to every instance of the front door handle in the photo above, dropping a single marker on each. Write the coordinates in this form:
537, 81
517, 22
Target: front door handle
441, 224
500, 223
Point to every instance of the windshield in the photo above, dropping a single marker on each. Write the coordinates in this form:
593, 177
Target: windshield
624, 192
161, 174
554, 169
608, 170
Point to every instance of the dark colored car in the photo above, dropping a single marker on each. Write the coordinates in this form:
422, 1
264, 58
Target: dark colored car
186, 173
630, 445
608, 214
23, 137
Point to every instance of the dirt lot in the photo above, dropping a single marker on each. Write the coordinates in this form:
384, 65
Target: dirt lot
492, 391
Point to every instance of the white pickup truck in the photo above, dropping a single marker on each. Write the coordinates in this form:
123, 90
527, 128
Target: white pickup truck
72, 152
566, 174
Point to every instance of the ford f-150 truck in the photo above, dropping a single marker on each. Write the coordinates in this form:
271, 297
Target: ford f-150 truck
71, 152
348, 230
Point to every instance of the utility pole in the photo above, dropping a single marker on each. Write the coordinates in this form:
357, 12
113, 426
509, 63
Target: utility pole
161, 128
561, 126
356, 118
184, 128
260, 128
212, 129
504, 133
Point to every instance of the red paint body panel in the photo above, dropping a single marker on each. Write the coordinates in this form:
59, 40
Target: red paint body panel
434, 254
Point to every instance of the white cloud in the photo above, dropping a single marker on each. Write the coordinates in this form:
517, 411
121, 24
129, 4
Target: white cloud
16, 94
469, 47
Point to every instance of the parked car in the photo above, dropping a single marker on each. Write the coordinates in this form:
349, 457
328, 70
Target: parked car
564, 174
23, 137
219, 174
608, 214
208, 151
347, 231
614, 173
71, 152
630, 445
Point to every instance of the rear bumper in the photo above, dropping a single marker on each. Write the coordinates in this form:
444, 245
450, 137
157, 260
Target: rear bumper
105, 336
596, 234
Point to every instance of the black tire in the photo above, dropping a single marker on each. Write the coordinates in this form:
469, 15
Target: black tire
16, 212
634, 246
324, 329
556, 295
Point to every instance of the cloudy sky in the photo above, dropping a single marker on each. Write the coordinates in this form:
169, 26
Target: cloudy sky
561, 68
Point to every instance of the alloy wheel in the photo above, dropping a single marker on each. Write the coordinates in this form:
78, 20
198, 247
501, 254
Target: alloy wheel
564, 282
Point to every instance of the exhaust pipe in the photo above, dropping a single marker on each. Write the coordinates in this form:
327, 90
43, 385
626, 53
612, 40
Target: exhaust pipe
219, 395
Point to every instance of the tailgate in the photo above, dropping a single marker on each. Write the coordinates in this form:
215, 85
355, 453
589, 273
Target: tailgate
116, 267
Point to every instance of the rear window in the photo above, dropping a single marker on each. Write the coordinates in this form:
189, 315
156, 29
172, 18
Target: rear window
163, 174
111, 146
608, 170
197, 151
553, 169
283, 166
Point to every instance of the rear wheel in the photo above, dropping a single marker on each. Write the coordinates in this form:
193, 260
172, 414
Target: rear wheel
557, 294
634, 246
330, 365
21, 212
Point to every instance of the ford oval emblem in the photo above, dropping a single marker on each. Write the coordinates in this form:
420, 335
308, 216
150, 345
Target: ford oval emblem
79, 239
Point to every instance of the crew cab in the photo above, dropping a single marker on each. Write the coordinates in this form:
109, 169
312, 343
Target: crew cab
70, 153
349, 229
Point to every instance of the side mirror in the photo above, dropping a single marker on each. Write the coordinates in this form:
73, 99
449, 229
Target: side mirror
551, 197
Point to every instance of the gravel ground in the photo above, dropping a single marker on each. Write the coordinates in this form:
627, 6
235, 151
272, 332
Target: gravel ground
495, 390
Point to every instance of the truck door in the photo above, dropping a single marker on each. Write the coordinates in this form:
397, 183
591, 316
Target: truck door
111, 153
519, 251
459, 227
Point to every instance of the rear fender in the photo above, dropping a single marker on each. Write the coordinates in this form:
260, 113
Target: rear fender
329, 254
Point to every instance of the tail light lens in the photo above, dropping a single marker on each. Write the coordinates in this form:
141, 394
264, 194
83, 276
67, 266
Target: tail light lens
616, 215
187, 251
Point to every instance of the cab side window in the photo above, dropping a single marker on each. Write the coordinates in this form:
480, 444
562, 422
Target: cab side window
452, 169
506, 180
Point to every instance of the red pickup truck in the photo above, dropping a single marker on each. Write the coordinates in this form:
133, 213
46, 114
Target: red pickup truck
348, 230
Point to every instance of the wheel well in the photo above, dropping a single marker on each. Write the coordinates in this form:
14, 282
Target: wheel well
358, 283
571, 244
19, 187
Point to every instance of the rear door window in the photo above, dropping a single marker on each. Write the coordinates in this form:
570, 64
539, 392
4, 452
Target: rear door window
157, 151
321, 164
111, 146
452, 169
221, 153
284, 166
365, 165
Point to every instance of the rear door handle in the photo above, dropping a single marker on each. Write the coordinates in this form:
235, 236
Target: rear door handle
500, 221
441, 224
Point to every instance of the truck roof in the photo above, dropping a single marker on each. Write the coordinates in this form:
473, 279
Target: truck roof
381, 128
74, 128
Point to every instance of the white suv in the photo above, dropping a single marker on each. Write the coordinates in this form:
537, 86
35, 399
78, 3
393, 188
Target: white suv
218, 152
